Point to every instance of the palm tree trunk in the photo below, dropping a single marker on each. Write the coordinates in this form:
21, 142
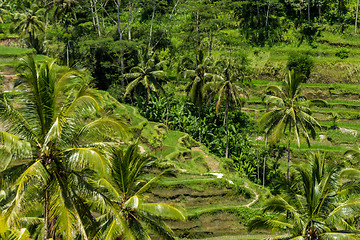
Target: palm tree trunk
227, 127
129, 21
210, 42
288, 161
264, 165
46, 26
151, 26
147, 101
199, 114
357, 15
46, 215
67, 54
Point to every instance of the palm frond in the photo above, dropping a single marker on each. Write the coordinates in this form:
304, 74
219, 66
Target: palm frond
13, 148
105, 126
265, 223
83, 157
341, 235
165, 210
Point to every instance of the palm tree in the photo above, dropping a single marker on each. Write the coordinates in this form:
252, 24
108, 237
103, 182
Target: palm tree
30, 23
313, 209
47, 147
290, 110
227, 93
61, 7
147, 74
123, 204
199, 75
3, 6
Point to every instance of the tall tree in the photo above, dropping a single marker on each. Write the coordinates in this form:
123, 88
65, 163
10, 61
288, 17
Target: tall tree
289, 110
197, 71
227, 92
31, 23
47, 148
123, 204
148, 74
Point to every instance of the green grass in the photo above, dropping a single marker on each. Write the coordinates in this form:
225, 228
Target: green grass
137, 119
14, 52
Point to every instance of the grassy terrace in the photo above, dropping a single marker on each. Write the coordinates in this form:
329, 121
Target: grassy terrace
9, 52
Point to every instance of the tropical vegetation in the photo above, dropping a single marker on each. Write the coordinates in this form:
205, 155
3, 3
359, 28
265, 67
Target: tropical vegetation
119, 118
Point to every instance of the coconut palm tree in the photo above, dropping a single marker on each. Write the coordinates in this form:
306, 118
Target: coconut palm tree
198, 72
30, 23
313, 208
147, 74
123, 203
46, 147
290, 110
227, 93
61, 7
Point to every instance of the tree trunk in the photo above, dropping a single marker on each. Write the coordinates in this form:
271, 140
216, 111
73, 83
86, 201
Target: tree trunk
197, 27
67, 54
288, 161
210, 42
120, 39
147, 101
92, 13
227, 127
46, 25
257, 164
95, 16
319, 10
199, 114
267, 15
309, 11
264, 165
257, 9
357, 15
129, 21
97, 19
46, 215
151, 26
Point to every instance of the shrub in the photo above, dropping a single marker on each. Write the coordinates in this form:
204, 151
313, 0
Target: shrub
301, 63
337, 137
342, 53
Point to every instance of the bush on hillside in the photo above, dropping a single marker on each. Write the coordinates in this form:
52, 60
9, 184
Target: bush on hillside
342, 53
302, 64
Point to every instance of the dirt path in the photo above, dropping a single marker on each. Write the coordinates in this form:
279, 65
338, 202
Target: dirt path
256, 195
142, 149
211, 162
8, 79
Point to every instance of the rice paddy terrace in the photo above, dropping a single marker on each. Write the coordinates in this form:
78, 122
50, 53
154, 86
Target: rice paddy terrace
339, 119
